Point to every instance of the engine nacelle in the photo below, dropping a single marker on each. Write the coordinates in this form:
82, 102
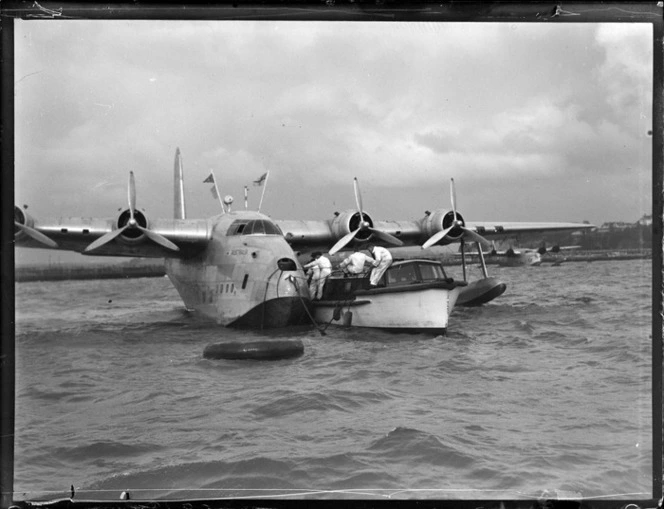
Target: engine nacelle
22, 217
440, 220
131, 236
349, 221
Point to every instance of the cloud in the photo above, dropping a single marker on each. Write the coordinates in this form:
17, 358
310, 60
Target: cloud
627, 68
396, 104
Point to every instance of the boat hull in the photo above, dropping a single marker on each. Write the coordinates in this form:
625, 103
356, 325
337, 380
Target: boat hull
416, 310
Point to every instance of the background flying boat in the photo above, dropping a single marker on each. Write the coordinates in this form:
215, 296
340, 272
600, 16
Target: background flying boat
527, 257
240, 268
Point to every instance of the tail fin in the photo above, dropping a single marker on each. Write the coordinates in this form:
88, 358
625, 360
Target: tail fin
179, 211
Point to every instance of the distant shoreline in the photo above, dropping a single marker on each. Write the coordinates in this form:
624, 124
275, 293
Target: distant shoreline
61, 272
591, 256
574, 256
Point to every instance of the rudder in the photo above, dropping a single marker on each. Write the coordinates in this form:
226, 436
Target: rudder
179, 211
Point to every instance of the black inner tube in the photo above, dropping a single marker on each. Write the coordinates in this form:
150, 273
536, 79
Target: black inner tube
255, 350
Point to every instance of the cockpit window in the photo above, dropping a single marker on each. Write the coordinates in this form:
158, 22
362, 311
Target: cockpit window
272, 229
236, 227
253, 227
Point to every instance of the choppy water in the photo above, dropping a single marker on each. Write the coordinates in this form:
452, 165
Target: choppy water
545, 392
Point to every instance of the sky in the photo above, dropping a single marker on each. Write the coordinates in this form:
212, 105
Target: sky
535, 122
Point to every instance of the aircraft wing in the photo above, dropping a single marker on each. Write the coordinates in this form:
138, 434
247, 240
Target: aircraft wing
438, 227
130, 233
311, 234
306, 233
165, 238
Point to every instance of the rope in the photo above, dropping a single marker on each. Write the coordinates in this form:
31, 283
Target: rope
313, 320
267, 286
347, 302
344, 303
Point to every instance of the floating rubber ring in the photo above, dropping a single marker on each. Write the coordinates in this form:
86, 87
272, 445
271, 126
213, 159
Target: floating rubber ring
255, 350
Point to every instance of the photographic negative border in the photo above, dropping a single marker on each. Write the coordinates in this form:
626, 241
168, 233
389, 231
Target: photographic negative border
330, 10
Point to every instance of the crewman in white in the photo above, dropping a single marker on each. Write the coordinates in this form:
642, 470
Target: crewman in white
382, 260
354, 264
312, 271
319, 277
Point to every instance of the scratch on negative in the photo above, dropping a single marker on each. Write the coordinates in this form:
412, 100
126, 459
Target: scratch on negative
50, 12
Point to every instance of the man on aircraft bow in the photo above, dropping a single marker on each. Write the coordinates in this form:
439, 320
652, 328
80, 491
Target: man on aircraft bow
324, 266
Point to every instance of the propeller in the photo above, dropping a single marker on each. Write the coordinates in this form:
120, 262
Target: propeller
438, 236
132, 224
21, 222
38, 236
363, 226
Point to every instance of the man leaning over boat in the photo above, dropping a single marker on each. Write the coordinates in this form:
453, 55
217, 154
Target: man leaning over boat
354, 264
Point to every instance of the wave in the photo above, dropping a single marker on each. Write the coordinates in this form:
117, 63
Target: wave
342, 401
522, 394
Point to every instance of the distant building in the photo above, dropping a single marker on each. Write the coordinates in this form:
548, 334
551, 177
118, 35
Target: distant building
646, 220
615, 226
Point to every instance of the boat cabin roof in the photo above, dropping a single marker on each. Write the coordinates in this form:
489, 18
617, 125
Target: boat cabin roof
402, 275
411, 271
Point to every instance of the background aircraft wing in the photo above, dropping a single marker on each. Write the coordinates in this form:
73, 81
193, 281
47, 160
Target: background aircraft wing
161, 238
489, 228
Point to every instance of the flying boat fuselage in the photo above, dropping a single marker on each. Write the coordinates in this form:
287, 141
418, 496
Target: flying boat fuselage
246, 275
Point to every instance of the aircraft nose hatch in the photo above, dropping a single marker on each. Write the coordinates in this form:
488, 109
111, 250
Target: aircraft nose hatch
286, 264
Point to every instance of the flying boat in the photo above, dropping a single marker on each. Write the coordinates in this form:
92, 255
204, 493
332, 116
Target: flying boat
241, 268
525, 257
